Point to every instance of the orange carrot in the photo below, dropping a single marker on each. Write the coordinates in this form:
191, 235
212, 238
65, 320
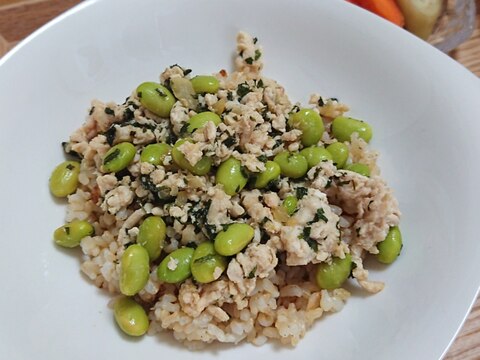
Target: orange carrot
388, 9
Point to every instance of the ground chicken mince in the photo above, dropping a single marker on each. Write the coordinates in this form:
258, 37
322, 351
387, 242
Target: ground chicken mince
268, 290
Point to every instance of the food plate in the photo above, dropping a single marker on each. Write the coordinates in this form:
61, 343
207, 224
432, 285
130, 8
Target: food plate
421, 104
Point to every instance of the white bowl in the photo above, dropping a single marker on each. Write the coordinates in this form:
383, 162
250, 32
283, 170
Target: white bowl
423, 107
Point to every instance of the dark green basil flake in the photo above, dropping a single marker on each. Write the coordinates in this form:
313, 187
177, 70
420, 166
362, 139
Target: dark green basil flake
161, 92
70, 167
258, 54
333, 99
251, 274
255, 40
199, 213
329, 183
109, 111
132, 104
205, 259
191, 245
139, 125
201, 107
278, 142
171, 138
161, 195
301, 192
230, 141
260, 83
249, 61
273, 185
295, 109
264, 221
242, 90
70, 152
320, 215
320, 102
262, 158
305, 235
229, 96
184, 128
210, 231
92, 109
111, 156
67, 230
128, 114
185, 71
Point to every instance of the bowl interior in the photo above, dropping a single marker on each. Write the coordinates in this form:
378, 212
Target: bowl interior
421, 104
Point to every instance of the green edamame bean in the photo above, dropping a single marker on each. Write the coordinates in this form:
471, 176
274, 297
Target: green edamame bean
271, 173
339, 152
361, 169
199, 120
155, 153
175, 268
234, 239
290, 204
231, 176
205, 84
310, 123
202, 167
389, 249
64, 179
207, 265
292, 165
343, 127
156, 98
118, 157
70, 235
134, 270
315, 154
332, 276
151, 235
130, 317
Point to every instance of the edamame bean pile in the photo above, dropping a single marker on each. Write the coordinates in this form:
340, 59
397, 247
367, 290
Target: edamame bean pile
213, 207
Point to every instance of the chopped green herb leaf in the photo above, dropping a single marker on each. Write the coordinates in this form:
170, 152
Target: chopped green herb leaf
320, 215
301, 192
111, 156
242, 90
205, 259
230, 141
109, 111
251, 274
161, 92
262, 158
306, 236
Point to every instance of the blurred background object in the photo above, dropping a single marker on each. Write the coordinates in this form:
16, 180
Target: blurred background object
443, 23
